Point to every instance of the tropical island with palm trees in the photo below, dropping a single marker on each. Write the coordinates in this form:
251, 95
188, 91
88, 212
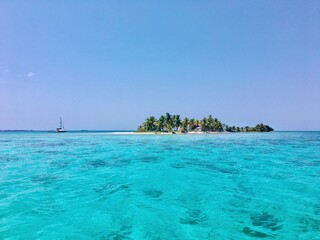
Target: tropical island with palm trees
172, 124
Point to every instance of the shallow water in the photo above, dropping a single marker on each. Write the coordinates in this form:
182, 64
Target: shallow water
102, 186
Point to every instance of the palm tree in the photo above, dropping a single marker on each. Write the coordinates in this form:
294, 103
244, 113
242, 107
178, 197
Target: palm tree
204, 125
176, 122
161, 123
262, 128
168, 122
211, 123
219, 126
150, 124
193, 124
185, 125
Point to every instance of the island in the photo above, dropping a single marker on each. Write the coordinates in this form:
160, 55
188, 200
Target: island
172, 124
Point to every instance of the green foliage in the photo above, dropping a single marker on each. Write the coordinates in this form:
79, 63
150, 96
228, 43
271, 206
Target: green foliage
193, 124
173, 123
176, 122
263, 128
161, 122
168, 122
184, 125
149, 125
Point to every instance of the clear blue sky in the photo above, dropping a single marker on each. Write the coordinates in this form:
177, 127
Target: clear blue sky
111, 64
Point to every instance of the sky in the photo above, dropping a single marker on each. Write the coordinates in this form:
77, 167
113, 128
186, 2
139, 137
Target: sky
111, 64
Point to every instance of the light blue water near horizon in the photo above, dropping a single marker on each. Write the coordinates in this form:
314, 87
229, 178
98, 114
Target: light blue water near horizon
104, 186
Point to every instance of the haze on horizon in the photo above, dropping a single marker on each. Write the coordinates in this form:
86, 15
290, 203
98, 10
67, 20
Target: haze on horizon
111, 64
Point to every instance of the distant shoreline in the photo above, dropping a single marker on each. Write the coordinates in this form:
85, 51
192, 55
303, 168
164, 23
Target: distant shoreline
166, 133
116, 132
180, 133
133, 132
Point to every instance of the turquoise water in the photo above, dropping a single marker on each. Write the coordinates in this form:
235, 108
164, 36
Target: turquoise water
103, 186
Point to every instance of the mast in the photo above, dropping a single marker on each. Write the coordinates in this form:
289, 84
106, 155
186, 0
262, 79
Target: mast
61, 124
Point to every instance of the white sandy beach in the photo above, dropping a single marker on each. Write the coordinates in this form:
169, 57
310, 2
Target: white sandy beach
163, 133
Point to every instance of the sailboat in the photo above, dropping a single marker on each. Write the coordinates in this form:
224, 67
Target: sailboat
61, 128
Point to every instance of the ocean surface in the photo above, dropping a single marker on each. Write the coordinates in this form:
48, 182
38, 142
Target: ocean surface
86, 185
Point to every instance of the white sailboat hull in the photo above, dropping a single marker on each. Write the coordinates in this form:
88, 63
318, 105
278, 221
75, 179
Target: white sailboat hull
60, 130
